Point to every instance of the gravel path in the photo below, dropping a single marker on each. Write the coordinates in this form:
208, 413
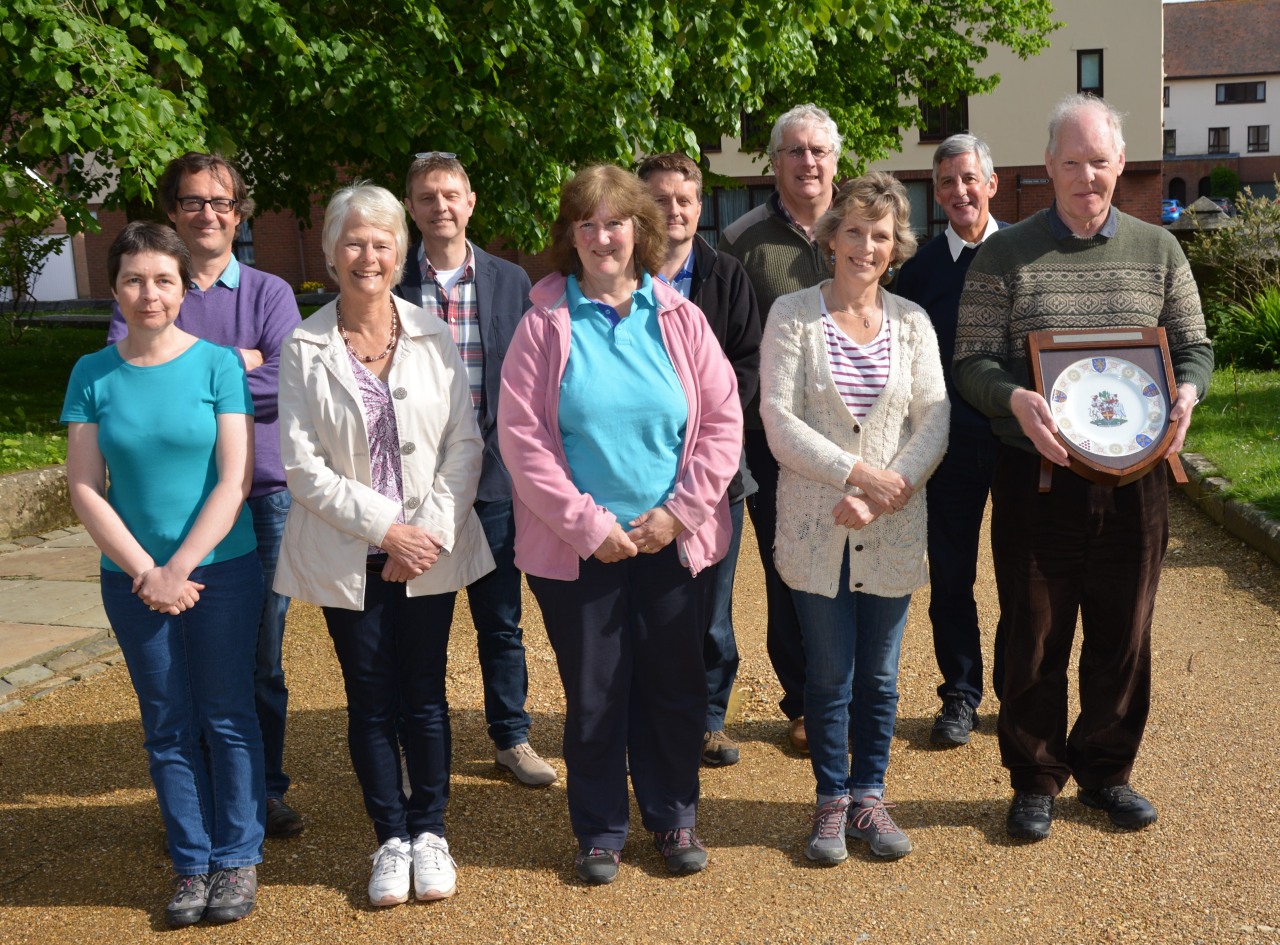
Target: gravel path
83, 858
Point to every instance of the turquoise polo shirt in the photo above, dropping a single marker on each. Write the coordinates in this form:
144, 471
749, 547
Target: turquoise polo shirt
623, 411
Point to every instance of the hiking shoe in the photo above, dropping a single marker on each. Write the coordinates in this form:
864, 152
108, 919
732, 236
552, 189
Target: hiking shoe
435, 874
870, 821
282, 820
1030, 816
597, 865
826, 845
1126, 807
190, 896
718, 749
232, 893
529, 769
798, 737
389, 882
681, 849
951, 726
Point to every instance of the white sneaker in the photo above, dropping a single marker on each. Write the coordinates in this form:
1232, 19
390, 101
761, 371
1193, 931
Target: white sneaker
389, 883
434, 873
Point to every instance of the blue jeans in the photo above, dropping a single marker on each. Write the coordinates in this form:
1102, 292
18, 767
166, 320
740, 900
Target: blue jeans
720, 651
852, 643
193, 675
393, 657
495, 610
271, 696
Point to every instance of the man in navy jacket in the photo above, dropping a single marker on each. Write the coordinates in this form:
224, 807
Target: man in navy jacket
482, 298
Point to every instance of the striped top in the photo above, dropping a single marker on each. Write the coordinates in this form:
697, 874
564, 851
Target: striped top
860, 371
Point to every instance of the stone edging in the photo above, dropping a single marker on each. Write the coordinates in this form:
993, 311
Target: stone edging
1252, 526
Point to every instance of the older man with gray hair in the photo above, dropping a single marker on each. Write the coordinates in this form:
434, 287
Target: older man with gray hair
1081, 549
964, 181
775, 244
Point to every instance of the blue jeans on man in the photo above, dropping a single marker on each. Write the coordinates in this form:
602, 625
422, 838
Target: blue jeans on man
852, 642
271, 695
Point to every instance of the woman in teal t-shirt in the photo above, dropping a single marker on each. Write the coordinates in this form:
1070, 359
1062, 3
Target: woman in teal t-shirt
169, 418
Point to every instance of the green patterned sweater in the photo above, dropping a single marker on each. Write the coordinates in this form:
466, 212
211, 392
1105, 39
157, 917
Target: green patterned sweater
1024, 279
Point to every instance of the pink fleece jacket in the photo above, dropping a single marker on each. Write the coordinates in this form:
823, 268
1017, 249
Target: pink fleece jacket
556, 525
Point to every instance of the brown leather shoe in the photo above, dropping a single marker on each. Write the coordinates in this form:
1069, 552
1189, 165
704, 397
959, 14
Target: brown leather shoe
282, 820
796, 735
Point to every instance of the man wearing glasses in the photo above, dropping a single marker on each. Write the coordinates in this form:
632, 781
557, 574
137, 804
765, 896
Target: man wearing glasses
774, 242
482, 298
232, 304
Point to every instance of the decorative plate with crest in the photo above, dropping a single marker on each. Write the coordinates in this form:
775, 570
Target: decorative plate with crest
1108, 406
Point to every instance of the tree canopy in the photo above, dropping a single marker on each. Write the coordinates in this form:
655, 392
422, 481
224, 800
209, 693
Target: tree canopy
101, 96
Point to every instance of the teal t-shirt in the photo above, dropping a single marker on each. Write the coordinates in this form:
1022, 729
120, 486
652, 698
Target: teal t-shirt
157, 430
623, 411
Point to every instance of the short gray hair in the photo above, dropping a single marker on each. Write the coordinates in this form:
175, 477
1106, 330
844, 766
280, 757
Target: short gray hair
1078, 102
957, 145
803, 116
371, 205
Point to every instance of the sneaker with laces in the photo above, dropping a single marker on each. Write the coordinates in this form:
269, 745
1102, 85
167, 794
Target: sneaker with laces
389, 882
529, 769
435, 874
1127, 809
1030, 816
871, 822
951, 726
190, 896
719, 750
597, 866
681, 849
826, 845
232, 893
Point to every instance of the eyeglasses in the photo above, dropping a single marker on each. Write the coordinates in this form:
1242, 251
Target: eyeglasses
428, 155
196, 204
798, 152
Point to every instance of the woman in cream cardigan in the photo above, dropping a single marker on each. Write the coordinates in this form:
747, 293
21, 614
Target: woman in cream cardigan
856, 413
382, 455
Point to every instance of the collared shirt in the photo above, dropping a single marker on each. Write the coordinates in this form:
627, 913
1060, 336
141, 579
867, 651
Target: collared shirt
790, 220
957, 243
459, 307
1061, 231
230, 276
682, 281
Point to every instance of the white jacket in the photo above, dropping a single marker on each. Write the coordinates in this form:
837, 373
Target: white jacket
817, 442
324, 445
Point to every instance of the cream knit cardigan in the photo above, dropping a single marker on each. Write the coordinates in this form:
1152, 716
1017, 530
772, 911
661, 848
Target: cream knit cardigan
817, 442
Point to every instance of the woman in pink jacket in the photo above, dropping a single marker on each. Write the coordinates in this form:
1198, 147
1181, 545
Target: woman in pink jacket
620, 424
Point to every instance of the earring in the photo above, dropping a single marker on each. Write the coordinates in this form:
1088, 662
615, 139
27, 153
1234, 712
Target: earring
831, 260
889, 272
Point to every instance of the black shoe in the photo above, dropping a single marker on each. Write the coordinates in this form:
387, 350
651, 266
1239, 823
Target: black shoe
1030, 816
681, 850
597, 866
1126, 807
232, 894
282, 820
951, 726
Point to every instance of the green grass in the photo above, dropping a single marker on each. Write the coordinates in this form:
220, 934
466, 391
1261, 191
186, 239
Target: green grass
33, 382
1237, 428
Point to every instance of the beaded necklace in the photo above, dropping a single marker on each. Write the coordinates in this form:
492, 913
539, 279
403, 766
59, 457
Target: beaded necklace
391, 345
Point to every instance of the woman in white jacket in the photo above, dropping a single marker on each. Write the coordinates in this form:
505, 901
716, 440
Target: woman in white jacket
855, 411
382, 455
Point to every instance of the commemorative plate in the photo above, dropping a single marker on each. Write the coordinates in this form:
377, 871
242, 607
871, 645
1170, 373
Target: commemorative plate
1108, 406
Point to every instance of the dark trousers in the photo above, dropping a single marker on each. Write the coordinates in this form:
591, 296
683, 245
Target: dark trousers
782, 637
628, 642
1080, 549
956, 500
393, 664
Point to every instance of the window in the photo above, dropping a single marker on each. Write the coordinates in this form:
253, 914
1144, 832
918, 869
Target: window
1166, 96
943, 121
1170, 141
755, 132
1219, 140
724, 205
927, 218
1259, 137
243, 246
1233, 93
1089, 71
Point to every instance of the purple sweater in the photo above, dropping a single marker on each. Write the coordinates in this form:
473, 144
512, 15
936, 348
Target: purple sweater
259, 313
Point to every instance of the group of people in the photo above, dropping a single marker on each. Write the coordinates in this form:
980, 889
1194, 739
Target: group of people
444, 424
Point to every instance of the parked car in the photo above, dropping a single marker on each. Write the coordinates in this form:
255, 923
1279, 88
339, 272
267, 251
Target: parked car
1225, 204
1170, 210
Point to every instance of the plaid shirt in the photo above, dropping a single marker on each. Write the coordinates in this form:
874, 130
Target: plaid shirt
460, 309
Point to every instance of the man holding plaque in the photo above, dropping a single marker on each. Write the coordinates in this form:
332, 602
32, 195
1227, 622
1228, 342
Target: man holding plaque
1082, 548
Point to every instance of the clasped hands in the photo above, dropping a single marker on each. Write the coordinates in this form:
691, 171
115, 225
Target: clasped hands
411, 551
650, 532
163, 590
883, 492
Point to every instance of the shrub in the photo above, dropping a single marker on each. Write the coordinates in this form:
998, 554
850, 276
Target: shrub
1224, 182
1242, 258
310, 286
1248, 336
